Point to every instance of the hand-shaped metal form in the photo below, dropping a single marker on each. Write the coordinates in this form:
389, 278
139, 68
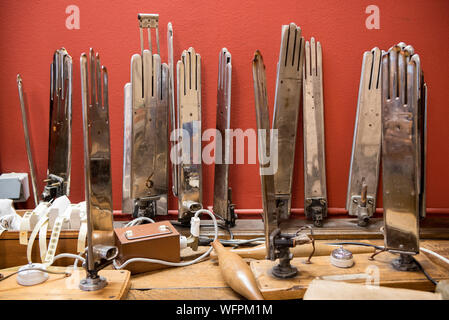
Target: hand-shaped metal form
60, 131
270, 212
146, 132
315, 194
366, 147
404, 96
277, 243
223, 206
189, 124
286, 111
97, 166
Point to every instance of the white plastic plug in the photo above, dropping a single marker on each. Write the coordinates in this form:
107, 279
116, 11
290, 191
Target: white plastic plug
195, 227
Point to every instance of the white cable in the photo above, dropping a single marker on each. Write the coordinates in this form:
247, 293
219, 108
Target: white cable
435, 254
138, 221
68, 255
176, 264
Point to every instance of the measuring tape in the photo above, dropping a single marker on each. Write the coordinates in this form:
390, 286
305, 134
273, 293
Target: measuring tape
25, 227
57, 227
65, 211
43, 220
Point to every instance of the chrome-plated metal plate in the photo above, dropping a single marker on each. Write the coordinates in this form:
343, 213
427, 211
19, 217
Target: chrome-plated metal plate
270, 213
366, 147
222, 205
149, 131
402, 149
60, 129
127, 201
286, 110
315, 192
189, 123
97, 153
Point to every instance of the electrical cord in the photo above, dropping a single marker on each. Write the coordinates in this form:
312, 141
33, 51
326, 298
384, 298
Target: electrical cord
232, 242
67, 274
137, 221
424, 271
435, 254
224, 227
68, 255
175, 264
356, 244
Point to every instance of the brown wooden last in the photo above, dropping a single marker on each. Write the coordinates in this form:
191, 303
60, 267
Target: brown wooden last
237, 273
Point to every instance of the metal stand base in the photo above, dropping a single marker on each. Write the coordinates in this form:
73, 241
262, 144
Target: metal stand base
404, 263
363, 221
316, 210
318, 222
93, 284
284, 272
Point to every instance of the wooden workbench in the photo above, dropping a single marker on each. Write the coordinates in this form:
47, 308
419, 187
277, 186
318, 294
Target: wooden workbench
204, 281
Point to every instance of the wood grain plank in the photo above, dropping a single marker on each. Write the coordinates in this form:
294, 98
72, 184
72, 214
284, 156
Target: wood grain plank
59, 287
205, 274
184, 294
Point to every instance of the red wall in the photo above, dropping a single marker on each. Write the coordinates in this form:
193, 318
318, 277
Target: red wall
31, 30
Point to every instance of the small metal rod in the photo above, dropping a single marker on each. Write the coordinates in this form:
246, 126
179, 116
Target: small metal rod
90, 263
171, 99
377, 252
27, 141
157, 41
141, 42
363, 193
312, 241
150, 44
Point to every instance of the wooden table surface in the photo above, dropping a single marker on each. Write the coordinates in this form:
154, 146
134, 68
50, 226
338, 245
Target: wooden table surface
203, 281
